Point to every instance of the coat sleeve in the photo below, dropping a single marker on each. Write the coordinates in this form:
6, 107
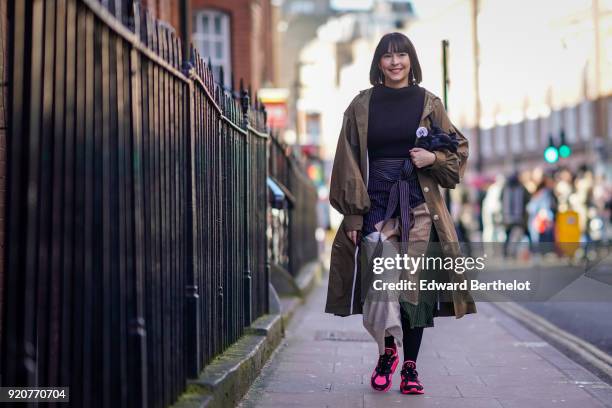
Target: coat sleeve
448, 168
348, 193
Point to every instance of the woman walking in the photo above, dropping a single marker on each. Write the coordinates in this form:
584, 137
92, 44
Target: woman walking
387, 188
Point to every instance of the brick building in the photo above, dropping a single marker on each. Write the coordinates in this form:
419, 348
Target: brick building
167, 10
237, 35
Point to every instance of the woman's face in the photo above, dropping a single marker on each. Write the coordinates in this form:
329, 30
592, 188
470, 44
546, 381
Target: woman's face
395, 66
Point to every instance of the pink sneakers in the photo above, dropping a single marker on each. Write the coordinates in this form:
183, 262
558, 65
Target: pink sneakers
383, 373
410, 379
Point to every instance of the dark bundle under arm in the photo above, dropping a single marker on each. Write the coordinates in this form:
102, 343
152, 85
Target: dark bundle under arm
438, 140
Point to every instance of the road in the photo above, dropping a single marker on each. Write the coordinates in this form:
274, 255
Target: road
590, 318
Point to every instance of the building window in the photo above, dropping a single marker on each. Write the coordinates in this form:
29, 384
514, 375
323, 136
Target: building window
609, 103
556, 124
515, 137
570, 124
545, 130
211, 37
532, 140
501, 147
585, 113
486, 145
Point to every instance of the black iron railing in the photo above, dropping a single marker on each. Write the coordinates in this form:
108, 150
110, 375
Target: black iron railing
300, 247
136, 207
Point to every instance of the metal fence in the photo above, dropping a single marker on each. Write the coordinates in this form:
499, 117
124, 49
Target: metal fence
3, 123
300, 247
136, 207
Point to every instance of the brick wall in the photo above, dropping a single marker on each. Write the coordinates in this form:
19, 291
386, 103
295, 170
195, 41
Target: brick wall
166, 10
269, 29
251, 31
251, 42
240, 26
263, 29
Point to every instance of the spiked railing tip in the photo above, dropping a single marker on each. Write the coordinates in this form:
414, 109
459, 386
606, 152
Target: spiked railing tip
191, 56
221, 78
244, 99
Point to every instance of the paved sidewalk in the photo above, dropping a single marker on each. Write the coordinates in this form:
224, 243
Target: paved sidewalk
484, 360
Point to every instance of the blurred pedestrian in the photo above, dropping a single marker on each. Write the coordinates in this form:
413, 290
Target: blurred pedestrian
602, 199
564, 187
462, 211
514, 200
581, 201
386, 186
492, 218
541, 210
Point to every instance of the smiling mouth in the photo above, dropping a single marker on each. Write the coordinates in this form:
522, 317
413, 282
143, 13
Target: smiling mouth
395, 70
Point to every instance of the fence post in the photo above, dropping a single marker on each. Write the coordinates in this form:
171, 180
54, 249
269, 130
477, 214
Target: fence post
137, 325
192, 303
248, 281
14, 370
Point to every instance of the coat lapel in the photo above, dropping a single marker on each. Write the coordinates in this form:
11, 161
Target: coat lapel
427, 106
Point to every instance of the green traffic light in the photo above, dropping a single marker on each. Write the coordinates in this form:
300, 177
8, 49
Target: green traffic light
551, 154
565, 151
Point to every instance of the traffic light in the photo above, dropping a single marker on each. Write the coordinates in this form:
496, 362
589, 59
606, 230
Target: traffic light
564, 149
551, 153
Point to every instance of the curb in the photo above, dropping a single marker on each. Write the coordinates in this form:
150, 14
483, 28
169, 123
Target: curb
308, 277
575, 346
226, 379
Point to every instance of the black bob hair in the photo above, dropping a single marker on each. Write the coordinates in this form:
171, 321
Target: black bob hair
395, 42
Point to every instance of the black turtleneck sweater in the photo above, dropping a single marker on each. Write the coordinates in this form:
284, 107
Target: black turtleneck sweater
393, 120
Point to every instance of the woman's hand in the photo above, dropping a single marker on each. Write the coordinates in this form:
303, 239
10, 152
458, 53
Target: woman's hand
353, 236
421, 157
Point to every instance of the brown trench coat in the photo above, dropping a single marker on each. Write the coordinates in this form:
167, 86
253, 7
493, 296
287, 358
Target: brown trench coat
349, 195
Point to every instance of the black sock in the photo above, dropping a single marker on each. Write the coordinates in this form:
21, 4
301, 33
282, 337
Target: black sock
389, 341
412, 340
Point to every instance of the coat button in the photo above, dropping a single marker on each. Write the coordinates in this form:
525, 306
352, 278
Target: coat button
426, 189
436, 217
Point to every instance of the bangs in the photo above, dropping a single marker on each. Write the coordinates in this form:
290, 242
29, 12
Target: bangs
395, 43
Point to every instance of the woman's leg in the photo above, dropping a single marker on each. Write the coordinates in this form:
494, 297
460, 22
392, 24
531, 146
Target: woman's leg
412, 342
389, 341
412, 339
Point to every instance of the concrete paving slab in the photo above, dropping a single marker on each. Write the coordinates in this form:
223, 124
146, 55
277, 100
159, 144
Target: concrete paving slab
481, 360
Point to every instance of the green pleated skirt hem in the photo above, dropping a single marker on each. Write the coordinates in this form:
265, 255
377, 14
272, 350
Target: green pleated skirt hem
421, 314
